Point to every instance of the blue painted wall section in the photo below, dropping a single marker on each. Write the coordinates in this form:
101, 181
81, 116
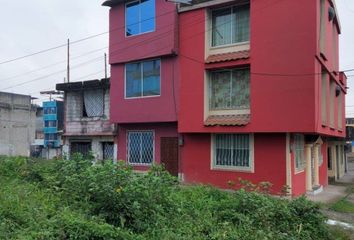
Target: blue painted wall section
53, 123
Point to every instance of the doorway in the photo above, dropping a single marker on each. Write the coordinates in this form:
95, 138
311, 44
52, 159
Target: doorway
169, 154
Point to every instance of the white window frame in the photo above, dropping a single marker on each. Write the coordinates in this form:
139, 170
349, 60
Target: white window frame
139, 22
249, 169
153, 147
142, 72
303, 161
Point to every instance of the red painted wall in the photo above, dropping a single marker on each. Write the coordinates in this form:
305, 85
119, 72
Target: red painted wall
161, 108
280, 43
269, 155
160, 130
158, 43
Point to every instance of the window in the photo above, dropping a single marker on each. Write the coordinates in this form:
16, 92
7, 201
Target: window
230, 25
142, 79
51, 136
139, 17
229, 90
320, 155
233, 151
107, 150
324, 83
83, 148
140, 147
93, 103
340, 111
331, 103
299, 151
50, 110
322, 25
50, 123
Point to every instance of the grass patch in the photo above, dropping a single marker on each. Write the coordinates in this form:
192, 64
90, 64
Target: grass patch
339, 233
343, 206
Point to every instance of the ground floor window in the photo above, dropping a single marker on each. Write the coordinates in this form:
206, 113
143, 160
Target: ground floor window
83, 148
140, 147
299, 152
232, 151
107, 150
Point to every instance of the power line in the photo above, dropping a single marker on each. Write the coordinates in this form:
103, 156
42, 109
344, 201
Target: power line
80, 40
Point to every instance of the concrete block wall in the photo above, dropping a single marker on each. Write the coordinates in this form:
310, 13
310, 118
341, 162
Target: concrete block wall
17, 124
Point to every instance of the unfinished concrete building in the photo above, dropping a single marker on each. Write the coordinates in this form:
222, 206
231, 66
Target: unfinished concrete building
87, 128
17, 124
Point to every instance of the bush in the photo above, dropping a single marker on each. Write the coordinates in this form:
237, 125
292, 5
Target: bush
75, 199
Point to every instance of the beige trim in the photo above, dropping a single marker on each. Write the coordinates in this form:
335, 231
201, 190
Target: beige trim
229, 112
316, 165
288, 164
209, 50
308, 167
249, 169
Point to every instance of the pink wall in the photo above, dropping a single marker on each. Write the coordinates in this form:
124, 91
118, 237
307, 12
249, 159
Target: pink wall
160, 130
161, 108
269, 155
158, 43
278, 103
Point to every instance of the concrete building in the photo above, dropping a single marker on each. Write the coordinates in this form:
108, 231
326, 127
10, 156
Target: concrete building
87, 128
17, 124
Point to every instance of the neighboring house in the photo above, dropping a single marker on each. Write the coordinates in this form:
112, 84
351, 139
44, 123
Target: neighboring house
86, 119
17, 124
53, 123
144, 82
255, 84
37, 145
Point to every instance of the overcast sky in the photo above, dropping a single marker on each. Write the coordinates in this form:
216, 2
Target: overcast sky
29, 26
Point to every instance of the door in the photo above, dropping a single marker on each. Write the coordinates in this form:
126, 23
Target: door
169, 154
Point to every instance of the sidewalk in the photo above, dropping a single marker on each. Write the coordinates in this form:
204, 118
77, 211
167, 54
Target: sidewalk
332, 193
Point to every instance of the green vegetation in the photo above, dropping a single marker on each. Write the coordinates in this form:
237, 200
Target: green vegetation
74, 200
343, 206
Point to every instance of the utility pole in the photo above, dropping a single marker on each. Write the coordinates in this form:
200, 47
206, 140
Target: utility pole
68, 66
105, 65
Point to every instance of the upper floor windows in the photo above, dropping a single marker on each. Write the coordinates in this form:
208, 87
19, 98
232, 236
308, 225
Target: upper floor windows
142, 79
230, 25
139, 17
229, 90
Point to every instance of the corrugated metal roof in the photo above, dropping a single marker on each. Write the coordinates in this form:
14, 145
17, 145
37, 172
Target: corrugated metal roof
228, 120
222, 57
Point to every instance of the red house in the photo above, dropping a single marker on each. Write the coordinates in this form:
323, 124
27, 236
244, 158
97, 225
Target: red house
253, 86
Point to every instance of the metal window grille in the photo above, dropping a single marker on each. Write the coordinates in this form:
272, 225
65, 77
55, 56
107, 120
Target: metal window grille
140, 147
229, 89
299, 150
232, 150
108, 149
80, 147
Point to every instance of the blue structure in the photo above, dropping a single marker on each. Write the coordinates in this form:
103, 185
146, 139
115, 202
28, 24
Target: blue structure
53, 123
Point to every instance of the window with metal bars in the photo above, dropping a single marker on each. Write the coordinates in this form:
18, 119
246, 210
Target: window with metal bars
140, 147
299, 152
230, 25
229, 89
232, 151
